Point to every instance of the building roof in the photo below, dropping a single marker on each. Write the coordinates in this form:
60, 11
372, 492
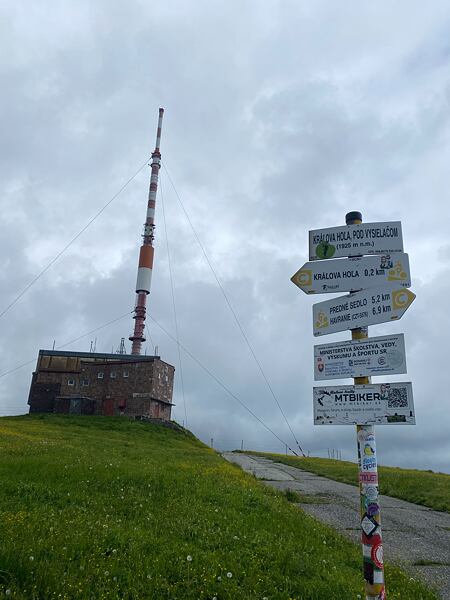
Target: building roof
91, 355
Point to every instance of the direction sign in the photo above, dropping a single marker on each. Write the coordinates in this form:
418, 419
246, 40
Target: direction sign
384, 355
368, 307
352, 274
382, 404
355, 240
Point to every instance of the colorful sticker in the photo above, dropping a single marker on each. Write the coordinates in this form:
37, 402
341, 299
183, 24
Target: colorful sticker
373, 541
369, 449
365, 436
373, 509
369, 525
371, 492
370, 477
369, 463
377, 555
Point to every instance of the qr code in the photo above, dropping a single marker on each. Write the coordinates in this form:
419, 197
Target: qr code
397, 398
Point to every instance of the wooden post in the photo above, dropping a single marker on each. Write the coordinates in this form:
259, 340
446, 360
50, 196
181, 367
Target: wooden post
371, 539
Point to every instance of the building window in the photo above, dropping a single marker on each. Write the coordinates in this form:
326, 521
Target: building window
85, 382
100, 375
70, 382
112, 374
125, 373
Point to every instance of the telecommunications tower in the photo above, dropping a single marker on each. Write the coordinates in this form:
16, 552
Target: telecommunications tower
144, 276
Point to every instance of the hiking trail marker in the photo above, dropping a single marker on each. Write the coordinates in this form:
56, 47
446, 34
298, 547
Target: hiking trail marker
368, 307
379, 294
353, 274
356, 240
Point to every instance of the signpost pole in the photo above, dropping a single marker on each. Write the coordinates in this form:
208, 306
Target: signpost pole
371, 539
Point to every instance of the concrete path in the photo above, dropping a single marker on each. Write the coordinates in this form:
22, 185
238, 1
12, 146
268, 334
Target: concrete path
411, 533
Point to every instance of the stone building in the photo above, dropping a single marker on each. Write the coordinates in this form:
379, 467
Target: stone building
102, 384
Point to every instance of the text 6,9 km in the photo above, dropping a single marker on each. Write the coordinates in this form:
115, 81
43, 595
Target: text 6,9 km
379, 310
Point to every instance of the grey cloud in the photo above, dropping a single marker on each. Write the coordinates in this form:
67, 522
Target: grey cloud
277, 121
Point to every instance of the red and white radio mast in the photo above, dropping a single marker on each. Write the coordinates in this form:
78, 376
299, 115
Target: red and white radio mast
144, 276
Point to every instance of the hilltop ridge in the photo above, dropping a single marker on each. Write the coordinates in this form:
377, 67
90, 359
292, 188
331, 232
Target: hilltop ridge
109, 508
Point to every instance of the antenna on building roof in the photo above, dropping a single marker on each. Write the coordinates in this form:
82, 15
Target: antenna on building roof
121, 349
145, 266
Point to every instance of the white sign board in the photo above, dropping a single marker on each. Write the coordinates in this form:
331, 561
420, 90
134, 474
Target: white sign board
355, 240
384, 355
369, 307
353, 274
381, 404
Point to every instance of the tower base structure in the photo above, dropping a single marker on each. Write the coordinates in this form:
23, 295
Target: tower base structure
89, 383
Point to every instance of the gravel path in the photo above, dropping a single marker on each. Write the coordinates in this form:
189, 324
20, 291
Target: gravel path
411, 533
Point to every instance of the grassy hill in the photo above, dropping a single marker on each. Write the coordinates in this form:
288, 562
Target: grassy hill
97, 508
420, 487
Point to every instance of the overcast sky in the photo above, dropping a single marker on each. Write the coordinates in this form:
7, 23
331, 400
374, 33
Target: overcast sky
280, 117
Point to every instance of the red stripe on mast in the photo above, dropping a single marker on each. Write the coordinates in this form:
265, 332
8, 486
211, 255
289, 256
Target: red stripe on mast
144, 276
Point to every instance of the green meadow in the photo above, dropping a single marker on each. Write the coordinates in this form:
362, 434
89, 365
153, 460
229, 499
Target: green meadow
105, 508
420, 487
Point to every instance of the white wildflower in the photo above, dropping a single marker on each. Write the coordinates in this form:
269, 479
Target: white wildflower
189, 558
229, 575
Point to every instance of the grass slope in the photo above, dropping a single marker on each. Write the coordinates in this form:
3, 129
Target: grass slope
420, 487
96, 508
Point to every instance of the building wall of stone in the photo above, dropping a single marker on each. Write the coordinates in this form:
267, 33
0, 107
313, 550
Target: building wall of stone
162, 384
140, 388
142, 404
42, 394
62, 406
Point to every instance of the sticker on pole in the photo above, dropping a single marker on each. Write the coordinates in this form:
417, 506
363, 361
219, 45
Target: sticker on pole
353, 274
384, 355
356, 240
369, 525
376, 555
381, 404
369, 307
